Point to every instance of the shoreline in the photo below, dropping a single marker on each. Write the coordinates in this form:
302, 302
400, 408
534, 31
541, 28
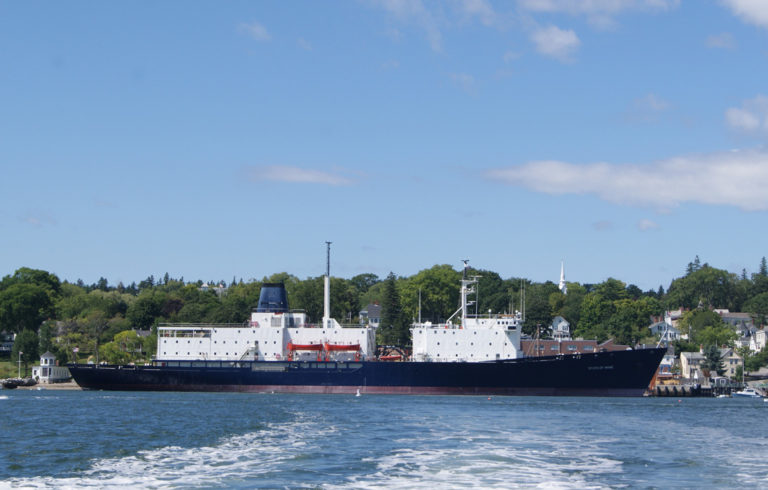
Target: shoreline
69, 385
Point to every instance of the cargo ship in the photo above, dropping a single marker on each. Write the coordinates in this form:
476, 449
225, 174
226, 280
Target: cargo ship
279, 351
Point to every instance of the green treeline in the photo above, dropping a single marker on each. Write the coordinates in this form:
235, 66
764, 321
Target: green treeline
100, 320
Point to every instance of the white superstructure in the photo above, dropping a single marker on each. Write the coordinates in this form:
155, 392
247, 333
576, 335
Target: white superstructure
273, 333
276, 334
475, 339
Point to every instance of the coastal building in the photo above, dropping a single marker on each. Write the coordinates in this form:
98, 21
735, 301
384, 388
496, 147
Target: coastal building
561, 329
758, 340
371, 315
664, 331
690, 362
49, 371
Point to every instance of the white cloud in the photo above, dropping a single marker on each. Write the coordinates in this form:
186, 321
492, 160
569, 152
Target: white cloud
480, 9
652, 102
604, 225
280, 173
510, 56
555, 42
646, 224
596, 7
38, 219
599, 13
723, 40
751, 11
414, 11
465, 81
256, 31
737, 178
304, 44
752, 116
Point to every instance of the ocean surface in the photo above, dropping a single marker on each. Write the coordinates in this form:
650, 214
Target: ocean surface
76, 439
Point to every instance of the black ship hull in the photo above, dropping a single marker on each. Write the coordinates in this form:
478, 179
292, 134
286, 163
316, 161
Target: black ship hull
620, 373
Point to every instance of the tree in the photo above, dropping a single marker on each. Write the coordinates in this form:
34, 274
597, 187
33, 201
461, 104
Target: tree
595, 312
364, 282
95, 325
145, 309
439, 288
763, 267
705, 327
713, 360
24, 306
393, 329
27, 344
758, 307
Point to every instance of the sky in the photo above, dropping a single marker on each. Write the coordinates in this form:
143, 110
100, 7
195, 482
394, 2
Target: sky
219, 140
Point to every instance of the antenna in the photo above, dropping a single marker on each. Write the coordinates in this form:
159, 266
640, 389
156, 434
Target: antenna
327, 287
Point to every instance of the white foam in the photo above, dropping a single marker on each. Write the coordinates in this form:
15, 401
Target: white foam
234, 459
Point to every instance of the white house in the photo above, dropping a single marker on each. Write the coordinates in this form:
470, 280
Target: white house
48, 371
758, 340
664, 331
561, 329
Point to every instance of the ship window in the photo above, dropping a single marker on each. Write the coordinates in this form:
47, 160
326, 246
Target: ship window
223, 341
438, 343
177, 341
435, 331
238, 331
457, 343
188, 341
471, 343
489, 343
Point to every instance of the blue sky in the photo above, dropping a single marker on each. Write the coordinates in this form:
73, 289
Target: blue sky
213, 140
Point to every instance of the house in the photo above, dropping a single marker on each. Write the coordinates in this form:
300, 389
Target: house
561, 329
6, 341
371, 315
664, 331
731, 360
49, 371
758, 340
690, 362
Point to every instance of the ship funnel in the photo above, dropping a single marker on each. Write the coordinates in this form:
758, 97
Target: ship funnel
273, 298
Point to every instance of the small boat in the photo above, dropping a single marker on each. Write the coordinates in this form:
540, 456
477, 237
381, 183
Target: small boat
747, 393
723, 396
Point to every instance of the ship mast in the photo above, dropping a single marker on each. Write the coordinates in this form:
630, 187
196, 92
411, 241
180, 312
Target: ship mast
327, 288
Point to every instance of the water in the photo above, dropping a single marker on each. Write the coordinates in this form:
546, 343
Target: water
73, 439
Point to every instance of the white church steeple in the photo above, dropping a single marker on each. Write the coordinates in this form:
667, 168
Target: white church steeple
562, 285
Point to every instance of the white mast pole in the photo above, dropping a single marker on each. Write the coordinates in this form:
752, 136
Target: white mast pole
327, 288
